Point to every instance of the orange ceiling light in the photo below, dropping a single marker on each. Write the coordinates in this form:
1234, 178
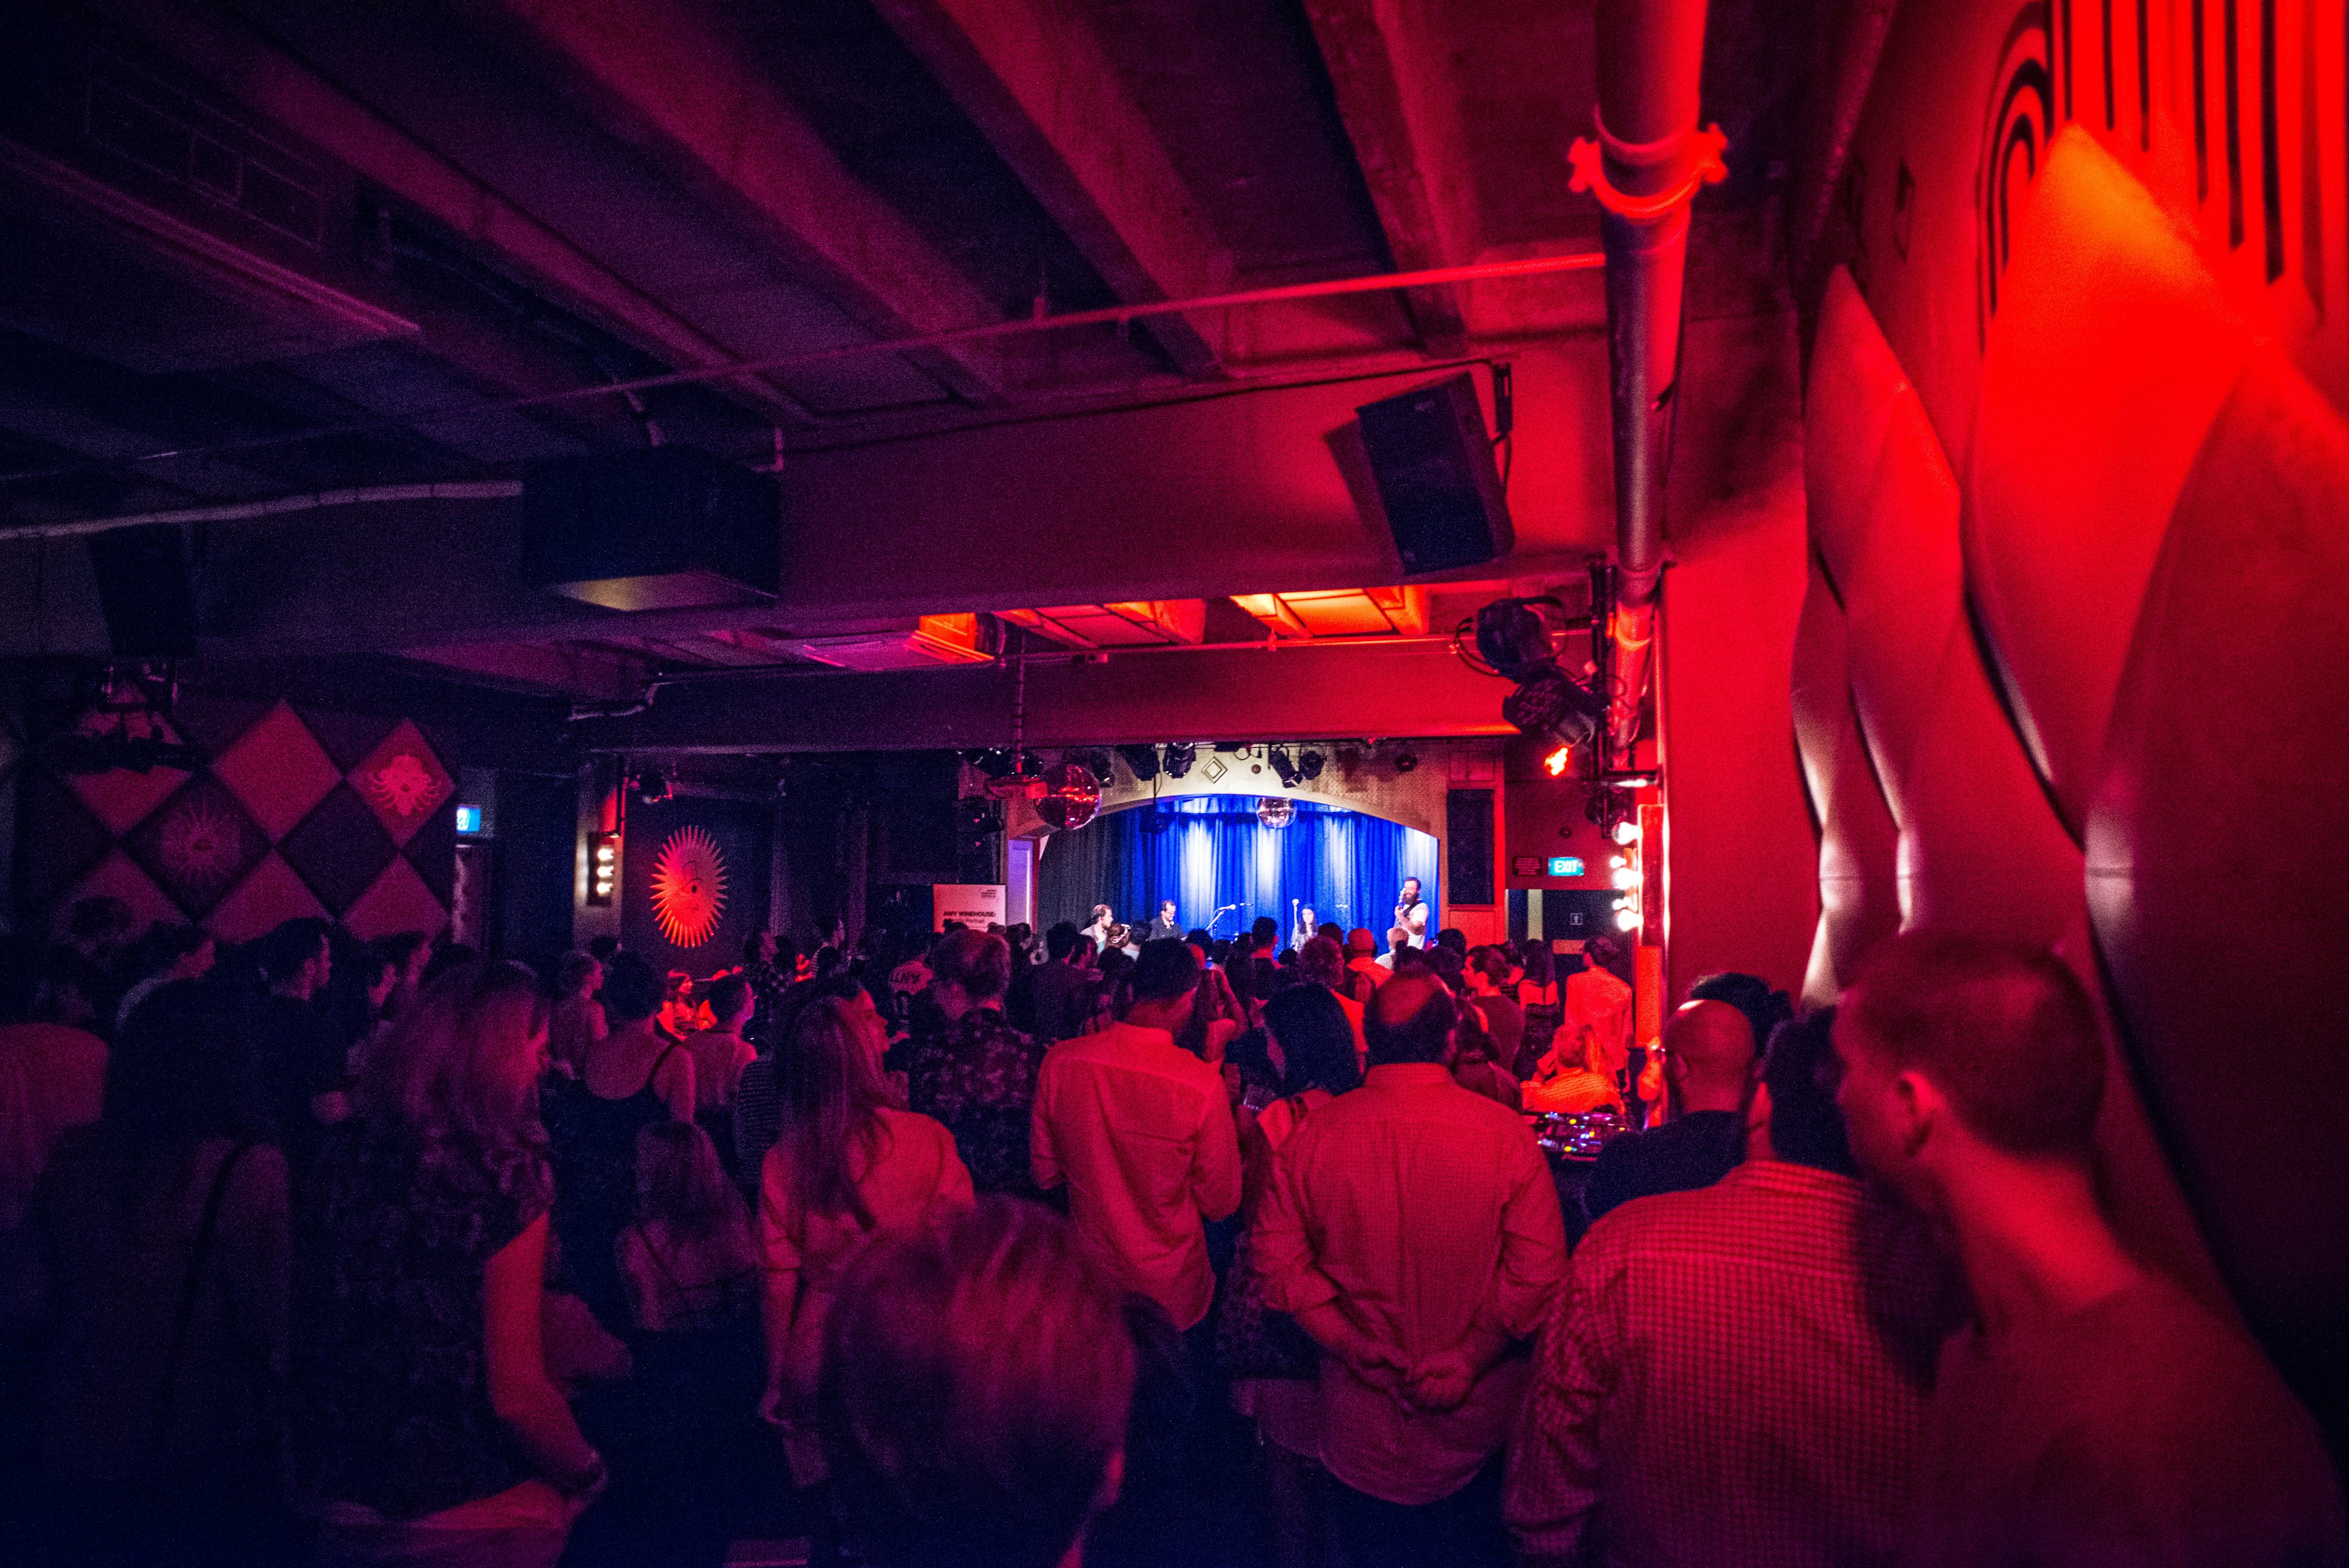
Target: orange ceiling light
931, 640
1342, 612
1131, 624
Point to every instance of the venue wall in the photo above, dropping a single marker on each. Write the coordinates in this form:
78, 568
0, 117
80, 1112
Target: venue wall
2071, 663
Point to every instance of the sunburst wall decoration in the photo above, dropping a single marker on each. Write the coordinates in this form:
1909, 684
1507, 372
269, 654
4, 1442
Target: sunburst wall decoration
689, 887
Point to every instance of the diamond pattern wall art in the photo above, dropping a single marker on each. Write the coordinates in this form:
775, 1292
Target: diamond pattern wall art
199, 844
301, 812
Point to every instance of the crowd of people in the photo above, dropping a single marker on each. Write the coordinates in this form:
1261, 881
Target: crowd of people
1021, 1253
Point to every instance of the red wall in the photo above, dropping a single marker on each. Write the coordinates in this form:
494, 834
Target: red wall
2077, 481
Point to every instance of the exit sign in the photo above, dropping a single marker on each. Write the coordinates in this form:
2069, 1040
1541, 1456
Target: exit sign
1565, 865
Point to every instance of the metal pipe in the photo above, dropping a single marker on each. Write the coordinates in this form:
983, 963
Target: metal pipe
1645, 167
1106, 316
275, 506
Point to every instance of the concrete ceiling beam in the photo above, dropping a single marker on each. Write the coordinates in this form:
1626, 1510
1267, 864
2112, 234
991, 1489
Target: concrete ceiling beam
1401, 111
256, 71
1035, 80
669, 77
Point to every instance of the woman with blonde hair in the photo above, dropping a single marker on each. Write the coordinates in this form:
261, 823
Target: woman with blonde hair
850, 1165
1563, 1080
439, 1436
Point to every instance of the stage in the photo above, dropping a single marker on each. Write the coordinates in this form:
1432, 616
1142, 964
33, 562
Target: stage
1215, 852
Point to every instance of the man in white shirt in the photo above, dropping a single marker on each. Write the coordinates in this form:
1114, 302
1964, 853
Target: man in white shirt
1414, 1230
1140, 1131
1411, 912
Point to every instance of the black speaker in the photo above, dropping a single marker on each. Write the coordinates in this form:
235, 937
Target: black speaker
1433, 463
146, 590
657, 529
1468, 847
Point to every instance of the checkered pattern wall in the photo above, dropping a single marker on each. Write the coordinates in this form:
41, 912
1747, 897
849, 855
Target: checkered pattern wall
299, 811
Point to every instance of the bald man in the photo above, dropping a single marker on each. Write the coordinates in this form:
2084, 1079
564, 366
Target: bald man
1708, 1052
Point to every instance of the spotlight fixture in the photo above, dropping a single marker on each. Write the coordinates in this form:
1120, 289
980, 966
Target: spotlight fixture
1095, 760
1547, 704
1142, 762
1405, 758
653, 788
1229, 747
1559, 761
1516, 637
1283, 766
1309, 763
1179, 759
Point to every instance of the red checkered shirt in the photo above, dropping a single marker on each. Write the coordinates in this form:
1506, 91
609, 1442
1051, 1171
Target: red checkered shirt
1738, 1375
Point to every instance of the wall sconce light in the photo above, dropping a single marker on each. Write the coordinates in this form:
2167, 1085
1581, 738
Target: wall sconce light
603, 867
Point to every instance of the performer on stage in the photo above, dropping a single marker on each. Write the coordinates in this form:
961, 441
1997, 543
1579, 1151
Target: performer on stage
1163, 928
1303, 930
1411, 912
1099, 929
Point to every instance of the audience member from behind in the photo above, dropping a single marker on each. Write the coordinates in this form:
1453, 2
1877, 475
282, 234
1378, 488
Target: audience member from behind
1140, 1131
976, 1380
1599, 998
51, 1078
2093, 1412
1322, 962
1411, 1228
166, 954
691, 1464
1477, 1062
1709, 1064
1505, 1020
973, 1071
849, 1164
1064, 985
719, 1051
1763, 1007
164, 1254
304, 1067
1544, 1004
632, 1078
1749, 1362
578, 1018
1274, 1367
422, 1261
91, 960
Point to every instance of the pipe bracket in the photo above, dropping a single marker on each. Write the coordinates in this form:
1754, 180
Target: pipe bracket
1705, 168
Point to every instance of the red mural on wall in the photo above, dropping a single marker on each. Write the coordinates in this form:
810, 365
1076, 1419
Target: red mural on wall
689, 887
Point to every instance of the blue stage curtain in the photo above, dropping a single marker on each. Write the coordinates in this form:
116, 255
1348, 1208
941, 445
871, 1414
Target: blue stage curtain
1208, 851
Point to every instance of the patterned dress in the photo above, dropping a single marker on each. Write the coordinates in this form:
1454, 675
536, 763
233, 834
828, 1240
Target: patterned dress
394, 1249
977, 1075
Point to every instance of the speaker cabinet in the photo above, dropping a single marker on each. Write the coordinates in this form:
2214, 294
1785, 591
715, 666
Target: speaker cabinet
662, 528
1468, 847
146, 590
1433, 464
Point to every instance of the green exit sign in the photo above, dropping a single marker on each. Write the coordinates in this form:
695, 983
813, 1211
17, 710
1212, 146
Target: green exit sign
1565, 865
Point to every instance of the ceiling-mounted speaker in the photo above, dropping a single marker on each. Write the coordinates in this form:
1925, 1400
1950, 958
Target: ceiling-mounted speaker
1433, 460
662, 528
146, 590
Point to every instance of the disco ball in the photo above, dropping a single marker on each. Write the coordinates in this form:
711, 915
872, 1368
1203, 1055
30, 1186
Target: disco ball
1275, 812
1071, 796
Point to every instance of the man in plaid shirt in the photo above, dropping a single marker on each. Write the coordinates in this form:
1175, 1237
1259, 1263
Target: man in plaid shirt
1741, 1373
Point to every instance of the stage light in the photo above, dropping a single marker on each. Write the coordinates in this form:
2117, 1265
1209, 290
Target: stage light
1549, 705
1141, 760
1627, 921
1626, 878
1559, 761
1180, 758
1616, 860
1405, 760
1626, 833
603, 867
1230, 747
1282, 766
1310, 764
1516, 637
653, 788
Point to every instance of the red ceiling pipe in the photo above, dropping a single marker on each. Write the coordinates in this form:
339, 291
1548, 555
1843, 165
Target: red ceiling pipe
1645, 167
